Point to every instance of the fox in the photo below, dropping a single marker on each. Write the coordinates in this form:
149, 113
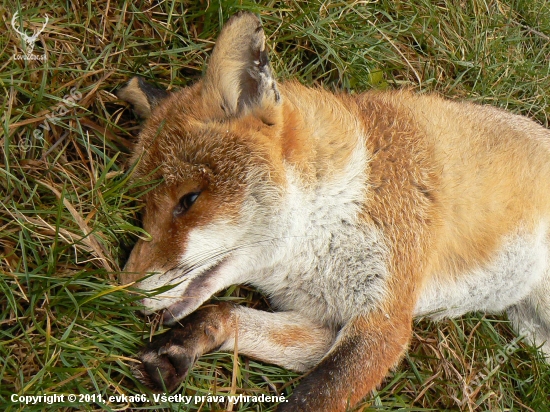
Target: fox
353, 213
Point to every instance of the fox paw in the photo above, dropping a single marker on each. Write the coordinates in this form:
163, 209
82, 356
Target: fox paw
167, 359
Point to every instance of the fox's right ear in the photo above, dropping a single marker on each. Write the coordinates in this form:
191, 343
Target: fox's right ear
142, 96
239, 76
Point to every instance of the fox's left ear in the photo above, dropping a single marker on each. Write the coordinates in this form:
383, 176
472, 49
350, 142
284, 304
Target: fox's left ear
143, 96
239, 76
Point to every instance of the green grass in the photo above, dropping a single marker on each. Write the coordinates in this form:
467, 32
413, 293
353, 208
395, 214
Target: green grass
69, 214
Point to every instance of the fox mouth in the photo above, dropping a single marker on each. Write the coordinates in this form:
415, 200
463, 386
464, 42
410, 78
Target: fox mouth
199, 290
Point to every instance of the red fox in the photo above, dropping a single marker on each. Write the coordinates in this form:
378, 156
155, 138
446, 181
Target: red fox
354, 214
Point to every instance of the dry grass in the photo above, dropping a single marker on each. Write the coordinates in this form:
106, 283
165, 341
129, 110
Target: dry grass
68, 214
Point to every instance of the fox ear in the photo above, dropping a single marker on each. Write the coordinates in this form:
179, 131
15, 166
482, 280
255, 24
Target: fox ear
143, 96
239, 75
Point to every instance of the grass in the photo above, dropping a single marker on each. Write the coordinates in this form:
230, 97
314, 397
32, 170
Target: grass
69, 213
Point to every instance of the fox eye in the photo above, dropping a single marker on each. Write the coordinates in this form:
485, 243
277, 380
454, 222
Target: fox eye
185, 203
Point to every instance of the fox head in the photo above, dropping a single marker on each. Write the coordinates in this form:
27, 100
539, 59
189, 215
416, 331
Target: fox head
215, 146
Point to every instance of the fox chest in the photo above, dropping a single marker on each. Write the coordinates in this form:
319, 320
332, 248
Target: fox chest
330, 277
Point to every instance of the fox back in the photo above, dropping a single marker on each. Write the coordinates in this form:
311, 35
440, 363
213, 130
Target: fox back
352, 213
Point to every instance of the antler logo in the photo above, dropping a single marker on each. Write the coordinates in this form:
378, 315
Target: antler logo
29, 40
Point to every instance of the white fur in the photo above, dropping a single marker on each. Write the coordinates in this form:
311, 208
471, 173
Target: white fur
507, 279
325, 264
261, 335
